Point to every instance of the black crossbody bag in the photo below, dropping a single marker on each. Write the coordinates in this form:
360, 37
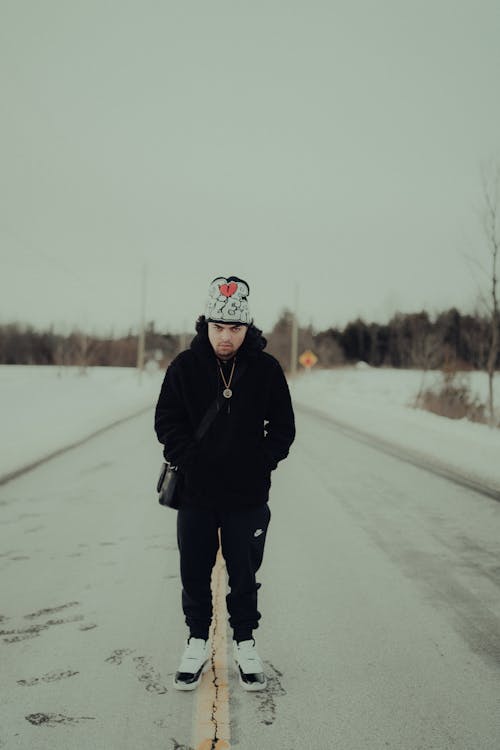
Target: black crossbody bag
171, 479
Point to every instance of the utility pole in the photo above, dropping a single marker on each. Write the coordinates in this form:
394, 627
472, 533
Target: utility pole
142, 334
183, 337
294, 344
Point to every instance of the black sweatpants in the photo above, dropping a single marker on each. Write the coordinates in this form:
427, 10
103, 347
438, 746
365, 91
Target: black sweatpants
243, 535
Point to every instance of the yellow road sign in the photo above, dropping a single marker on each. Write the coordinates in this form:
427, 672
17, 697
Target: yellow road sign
308, 359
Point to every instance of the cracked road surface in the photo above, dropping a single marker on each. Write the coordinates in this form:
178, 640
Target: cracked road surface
380, 603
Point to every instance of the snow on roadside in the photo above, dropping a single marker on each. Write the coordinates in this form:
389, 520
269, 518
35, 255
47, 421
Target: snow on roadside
47, 408
44, 409
379, 402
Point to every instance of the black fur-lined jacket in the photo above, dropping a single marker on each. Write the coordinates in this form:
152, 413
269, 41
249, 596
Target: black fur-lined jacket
231, 466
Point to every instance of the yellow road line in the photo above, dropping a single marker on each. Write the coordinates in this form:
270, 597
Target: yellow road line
211, 729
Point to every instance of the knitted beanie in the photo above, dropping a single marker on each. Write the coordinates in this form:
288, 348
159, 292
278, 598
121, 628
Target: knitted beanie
228, 301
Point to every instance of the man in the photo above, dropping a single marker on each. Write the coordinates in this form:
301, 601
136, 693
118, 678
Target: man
226, 474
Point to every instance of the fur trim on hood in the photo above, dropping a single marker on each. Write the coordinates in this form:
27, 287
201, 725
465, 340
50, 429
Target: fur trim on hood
253, 343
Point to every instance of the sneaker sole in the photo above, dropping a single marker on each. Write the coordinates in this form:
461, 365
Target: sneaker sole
250, 687
185, 686
253, 687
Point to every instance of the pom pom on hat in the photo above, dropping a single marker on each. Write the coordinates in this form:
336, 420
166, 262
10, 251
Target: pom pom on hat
228, 301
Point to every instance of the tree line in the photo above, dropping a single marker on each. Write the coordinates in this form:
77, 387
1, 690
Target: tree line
409, 340
25, 345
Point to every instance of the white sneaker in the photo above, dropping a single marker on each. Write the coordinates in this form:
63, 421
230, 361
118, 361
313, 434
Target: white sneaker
195, 661
250, 667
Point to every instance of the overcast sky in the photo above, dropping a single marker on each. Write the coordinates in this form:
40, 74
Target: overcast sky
333, 147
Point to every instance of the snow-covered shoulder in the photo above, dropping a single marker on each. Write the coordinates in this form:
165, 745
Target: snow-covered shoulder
48, 408
379, 401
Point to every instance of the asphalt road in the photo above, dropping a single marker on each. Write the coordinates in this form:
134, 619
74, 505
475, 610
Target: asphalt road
380, 602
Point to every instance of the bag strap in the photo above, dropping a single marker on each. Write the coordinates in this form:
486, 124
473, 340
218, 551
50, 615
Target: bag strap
213, 409
207, 420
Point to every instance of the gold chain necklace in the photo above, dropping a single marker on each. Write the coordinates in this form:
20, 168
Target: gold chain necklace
227, 392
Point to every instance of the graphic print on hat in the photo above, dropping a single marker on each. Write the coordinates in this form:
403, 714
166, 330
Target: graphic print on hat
228, 301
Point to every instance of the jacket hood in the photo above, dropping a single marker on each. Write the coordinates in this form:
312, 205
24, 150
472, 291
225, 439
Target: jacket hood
253, 343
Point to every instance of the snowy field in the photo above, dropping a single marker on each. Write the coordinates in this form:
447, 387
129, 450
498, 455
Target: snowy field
379, 402
45, 409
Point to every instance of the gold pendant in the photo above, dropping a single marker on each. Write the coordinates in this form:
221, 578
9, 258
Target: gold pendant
227, 393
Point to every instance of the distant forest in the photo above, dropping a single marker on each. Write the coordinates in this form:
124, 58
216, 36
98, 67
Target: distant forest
408, 340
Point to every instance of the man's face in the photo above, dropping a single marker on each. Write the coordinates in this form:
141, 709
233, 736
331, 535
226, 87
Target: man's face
226, 338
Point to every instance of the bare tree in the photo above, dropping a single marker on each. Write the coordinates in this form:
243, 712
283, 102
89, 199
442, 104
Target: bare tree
491, 227
426, 354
